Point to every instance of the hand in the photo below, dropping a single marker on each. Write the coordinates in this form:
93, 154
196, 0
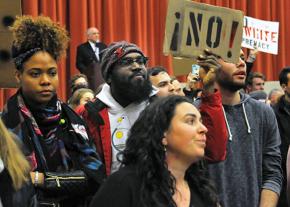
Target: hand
40, 178
252, 55
209, 63
191, 81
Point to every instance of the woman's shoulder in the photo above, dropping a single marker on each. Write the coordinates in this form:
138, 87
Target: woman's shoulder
127, 174
120, 189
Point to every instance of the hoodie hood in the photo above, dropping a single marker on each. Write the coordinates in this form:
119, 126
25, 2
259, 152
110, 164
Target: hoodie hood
244, 99
106, 97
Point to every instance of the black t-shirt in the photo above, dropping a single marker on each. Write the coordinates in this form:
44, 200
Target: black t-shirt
122, 189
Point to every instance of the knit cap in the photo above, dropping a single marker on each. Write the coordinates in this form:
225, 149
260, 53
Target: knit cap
115, 52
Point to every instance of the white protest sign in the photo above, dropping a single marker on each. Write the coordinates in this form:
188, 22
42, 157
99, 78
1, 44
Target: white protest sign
260, 34
192, 27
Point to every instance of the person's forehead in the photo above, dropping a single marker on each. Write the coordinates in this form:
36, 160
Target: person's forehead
185, 108
160, 77
40, 58
176, 82
94, 31
163, 76
258, 79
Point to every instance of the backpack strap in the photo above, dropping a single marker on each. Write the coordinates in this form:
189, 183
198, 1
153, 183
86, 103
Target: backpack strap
93, 109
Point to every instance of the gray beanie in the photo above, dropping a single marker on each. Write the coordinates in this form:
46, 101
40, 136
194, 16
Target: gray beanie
115, 52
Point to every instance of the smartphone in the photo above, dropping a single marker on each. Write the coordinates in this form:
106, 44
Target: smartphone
195, 69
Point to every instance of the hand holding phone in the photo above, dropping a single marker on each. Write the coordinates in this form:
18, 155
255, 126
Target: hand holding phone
195, 72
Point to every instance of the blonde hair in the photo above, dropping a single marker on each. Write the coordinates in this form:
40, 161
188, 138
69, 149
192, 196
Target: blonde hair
77, 96
13, 159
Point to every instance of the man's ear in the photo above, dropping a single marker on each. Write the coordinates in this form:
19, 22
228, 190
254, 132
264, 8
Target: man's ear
109, 78
18, 76
283, 86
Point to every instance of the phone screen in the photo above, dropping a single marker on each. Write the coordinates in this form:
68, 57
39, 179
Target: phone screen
195, 69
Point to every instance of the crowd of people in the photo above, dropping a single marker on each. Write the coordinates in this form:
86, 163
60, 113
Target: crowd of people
130, 135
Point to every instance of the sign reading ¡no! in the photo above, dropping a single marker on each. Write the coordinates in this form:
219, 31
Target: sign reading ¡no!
192, 27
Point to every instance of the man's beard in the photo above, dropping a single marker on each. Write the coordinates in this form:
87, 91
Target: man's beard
133, 90
229, 84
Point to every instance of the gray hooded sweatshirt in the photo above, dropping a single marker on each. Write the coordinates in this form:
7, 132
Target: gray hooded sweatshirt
253, 155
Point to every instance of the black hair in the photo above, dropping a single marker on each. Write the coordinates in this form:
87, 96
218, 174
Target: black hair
156, 70
283, 79
144, 149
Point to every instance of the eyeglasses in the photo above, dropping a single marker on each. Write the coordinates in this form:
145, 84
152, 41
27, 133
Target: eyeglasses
141, 60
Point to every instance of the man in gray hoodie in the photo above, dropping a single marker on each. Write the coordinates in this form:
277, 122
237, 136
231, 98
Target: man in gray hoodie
251, 174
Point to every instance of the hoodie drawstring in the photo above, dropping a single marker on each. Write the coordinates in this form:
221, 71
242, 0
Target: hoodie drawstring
246, 119
228, 126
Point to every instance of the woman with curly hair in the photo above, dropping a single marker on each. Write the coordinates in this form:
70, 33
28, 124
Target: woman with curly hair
65, 169
161, 161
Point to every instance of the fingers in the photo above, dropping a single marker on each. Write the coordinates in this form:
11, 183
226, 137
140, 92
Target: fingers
209, 52
205, 57
208, 60
208, 64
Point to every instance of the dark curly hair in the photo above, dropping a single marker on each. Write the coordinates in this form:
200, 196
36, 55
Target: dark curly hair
41, 32
144, 149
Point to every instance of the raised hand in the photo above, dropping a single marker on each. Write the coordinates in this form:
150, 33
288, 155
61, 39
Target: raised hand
209, 63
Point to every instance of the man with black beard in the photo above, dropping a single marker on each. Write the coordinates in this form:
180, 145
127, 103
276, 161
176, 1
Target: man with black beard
124, 95
251, 173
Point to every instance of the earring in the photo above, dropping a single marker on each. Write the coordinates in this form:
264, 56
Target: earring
164, 148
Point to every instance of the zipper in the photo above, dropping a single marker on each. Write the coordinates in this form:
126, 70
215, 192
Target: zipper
58, 178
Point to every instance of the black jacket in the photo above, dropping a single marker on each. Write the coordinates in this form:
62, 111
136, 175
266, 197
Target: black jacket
282, 112
86, 56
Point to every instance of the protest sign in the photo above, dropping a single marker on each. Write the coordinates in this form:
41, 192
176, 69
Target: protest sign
191, 27
182, 66
260, 34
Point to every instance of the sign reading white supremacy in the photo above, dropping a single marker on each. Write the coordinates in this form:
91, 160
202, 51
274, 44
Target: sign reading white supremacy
260, 34
192, 27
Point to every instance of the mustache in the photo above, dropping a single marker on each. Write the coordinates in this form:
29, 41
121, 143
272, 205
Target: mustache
138, 72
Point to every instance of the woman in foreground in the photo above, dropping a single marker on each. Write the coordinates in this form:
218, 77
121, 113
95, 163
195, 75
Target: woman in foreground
161, 164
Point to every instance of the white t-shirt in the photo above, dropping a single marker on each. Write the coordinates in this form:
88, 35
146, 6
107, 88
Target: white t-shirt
121, 121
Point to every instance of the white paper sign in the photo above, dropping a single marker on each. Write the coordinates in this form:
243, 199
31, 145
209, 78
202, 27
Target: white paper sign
260, 34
